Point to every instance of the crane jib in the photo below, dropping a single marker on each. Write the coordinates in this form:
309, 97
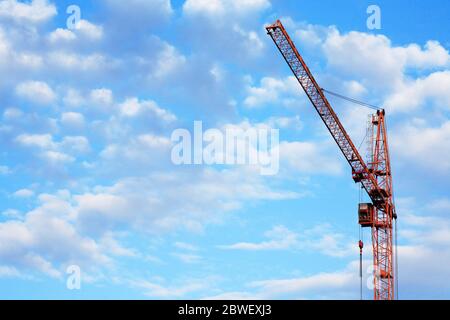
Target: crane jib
361, 172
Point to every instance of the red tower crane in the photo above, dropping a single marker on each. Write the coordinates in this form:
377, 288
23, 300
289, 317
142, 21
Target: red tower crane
375, 175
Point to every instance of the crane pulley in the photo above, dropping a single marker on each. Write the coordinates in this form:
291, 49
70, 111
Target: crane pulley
374, 176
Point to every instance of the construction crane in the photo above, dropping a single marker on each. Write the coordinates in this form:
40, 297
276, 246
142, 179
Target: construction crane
374, 176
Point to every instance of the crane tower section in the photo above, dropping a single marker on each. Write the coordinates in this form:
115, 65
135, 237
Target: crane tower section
375, 176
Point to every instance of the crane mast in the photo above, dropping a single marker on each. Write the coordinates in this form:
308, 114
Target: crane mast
375, 176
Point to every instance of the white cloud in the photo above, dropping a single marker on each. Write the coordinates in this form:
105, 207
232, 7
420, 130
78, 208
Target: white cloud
5, 46
376, 60
185, 246
271, 90
421, 145
280, 238
55, 152
43, 141
378, 66
72, 119
188, 258
73, 98
324, 239
320, 239
164, 291
178, 202
320, 286
309, 158
153, 141
110, 245
12, 113
4, 170
69, 60
89, 30
36, 91
233, 295
442, 204
355, 88
168, 62
24, 193
83, 29
61, 35
45, 241
30, 61
234, 22
133, 107
102, 96
36, 11
75, 144
431, 56
220, 8
250, 39
56, 157
412, 94
12, 214
8, 272
293, 123
341, 284
145, 148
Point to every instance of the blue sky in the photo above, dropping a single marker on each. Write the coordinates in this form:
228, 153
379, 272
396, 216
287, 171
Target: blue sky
85, 171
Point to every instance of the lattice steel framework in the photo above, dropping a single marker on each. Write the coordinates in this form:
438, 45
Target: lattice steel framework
375, 178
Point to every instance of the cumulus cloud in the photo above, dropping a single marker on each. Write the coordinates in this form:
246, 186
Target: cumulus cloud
234, 22
220, 8
73, 98
75, 144
271, 90
420, 144
24, 193
133, 201
83, 28
89, 30
46, 242
56, 157
5, 46
317, 285
169, 61
339, 284
132, 107
321, 238
72, 119
376, 60
429, 90
36, 91
44, 141
380, 67
305, 157
61, 35
102, 96
52, 151
36, 11
73, 61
